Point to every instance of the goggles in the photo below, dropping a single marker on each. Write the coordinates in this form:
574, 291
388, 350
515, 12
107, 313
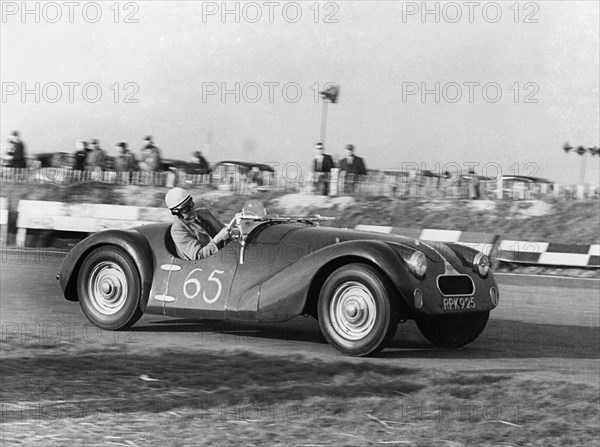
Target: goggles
186, 207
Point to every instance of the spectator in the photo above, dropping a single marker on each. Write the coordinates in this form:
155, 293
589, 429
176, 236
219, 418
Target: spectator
321, 167
80, 155
150, 158
16, 151
473, 185
254, 176
353, 167
198, 165
96, 157
125, 161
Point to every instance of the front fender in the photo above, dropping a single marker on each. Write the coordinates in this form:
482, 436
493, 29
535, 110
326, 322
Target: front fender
285, 294
133, 242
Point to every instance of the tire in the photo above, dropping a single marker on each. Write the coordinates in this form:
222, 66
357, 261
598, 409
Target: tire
357, 310
453, 331
109, 288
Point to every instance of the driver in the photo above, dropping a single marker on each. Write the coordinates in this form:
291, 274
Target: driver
194, 229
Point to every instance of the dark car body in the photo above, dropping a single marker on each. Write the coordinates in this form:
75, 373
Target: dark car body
277, 270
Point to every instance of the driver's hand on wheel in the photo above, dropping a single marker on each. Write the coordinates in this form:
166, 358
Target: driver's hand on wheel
209, 249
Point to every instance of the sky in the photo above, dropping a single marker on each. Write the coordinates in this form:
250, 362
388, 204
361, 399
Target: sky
498, 86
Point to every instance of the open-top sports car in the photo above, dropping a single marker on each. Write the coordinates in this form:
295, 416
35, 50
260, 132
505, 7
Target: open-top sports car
359, 285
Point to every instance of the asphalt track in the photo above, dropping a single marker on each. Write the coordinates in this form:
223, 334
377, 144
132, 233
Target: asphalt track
543, 327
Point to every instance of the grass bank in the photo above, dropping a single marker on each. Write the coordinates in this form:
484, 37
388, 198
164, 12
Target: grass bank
568, 222
61, 393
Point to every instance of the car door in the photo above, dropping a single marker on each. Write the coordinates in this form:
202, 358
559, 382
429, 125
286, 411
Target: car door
201, 288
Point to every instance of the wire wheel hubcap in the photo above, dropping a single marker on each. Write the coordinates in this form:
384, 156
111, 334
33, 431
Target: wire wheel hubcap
352, 311
107, 288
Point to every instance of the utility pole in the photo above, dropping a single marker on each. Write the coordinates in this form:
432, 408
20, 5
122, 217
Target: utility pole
330, 95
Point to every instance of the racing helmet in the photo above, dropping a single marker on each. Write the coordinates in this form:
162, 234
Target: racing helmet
176, 197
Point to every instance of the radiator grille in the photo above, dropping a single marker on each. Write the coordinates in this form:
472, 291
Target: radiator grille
450, 285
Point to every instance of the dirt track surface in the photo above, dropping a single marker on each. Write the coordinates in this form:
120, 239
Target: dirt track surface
545, 329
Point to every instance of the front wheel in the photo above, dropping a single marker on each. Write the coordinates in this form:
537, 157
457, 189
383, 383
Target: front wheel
109, 288
453, 331
357, 311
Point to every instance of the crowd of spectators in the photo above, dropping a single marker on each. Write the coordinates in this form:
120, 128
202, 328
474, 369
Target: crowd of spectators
349, 173
90, 156
352, 170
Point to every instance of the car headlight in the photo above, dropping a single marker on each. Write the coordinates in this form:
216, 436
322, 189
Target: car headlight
418, 263
481, 264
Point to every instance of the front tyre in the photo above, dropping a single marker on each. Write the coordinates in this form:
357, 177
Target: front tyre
109, 288
453, 331
357, 310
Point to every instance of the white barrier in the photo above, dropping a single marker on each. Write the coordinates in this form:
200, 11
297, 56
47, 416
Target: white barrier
86, 218
3, 219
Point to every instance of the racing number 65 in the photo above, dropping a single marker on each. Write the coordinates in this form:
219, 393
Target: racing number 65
219, 287
197, 286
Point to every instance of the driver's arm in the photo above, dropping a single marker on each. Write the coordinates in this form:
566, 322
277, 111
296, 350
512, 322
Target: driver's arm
189, 247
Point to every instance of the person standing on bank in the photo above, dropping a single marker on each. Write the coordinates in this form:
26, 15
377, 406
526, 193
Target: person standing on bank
193, 229
80, 155
96, 157
17, 151
150, 159
322, 165
353, 167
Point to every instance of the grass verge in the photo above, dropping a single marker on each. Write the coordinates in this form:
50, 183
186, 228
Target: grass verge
109, 397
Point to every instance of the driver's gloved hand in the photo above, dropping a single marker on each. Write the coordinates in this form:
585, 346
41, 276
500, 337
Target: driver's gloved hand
209, 249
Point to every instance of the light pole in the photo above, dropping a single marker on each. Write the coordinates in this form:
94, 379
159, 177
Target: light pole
581, 151
330, 94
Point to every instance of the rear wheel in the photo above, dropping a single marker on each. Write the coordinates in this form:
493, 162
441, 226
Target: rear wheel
109, 288
453, 331
357, 311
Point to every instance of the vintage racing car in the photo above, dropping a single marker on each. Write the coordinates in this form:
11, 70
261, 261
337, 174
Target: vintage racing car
359, 285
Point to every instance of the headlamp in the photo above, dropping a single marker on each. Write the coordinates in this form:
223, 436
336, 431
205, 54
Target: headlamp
481, 264
418, 263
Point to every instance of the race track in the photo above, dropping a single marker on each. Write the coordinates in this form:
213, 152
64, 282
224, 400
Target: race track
542, 327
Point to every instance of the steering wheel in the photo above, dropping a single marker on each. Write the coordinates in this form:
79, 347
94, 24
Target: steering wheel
252, 209
225, 231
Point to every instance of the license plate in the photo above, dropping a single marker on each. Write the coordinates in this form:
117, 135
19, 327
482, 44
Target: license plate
459, 303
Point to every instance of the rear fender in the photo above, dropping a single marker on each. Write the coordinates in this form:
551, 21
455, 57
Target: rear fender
133, 242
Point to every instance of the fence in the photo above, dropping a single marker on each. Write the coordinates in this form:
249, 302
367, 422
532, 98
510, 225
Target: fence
499, 249
374, 184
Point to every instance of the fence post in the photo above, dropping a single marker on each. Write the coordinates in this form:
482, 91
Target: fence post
499, 189
170, 179
333, 181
